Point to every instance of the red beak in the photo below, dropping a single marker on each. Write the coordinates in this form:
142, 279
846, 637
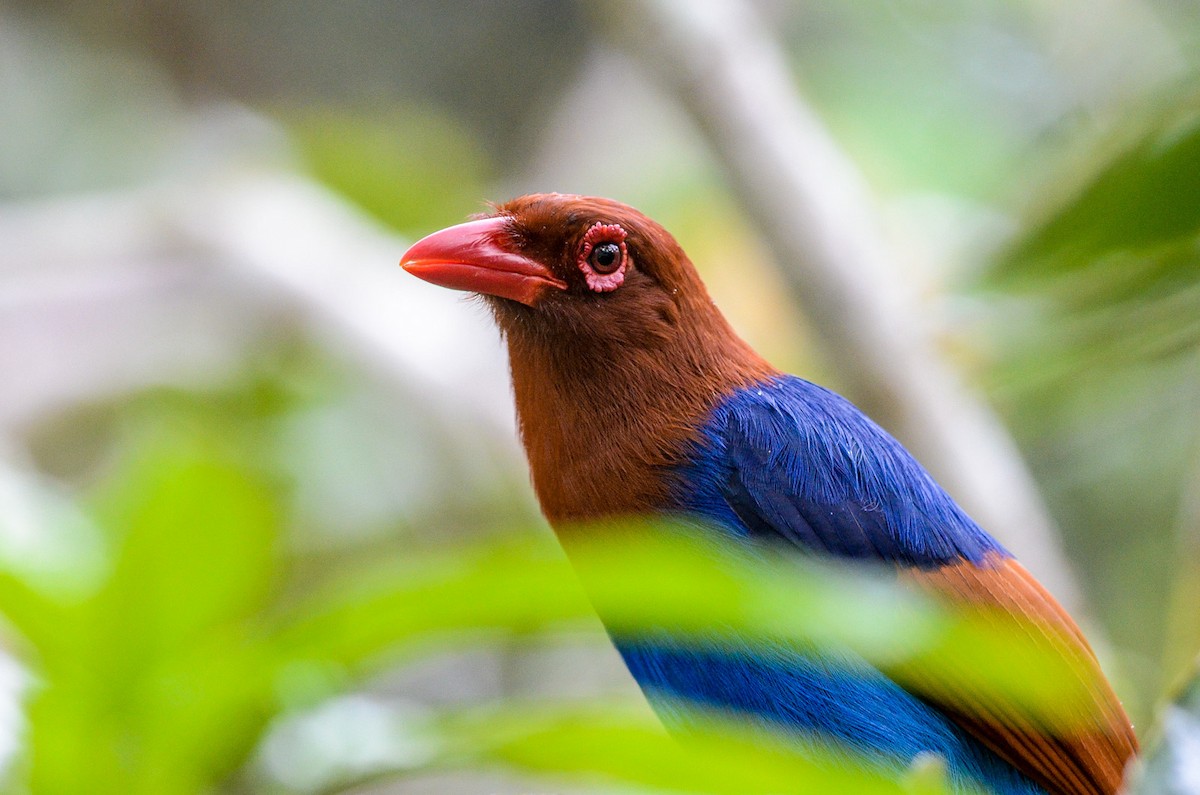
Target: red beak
473, 256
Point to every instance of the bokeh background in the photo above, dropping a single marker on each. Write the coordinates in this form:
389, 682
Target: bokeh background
238, 446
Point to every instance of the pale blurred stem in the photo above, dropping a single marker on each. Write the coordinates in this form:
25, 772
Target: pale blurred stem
1180, 659
818, 217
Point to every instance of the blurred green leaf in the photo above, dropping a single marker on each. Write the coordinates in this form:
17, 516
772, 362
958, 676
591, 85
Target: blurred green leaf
645, 578
153, 683
1113, 271
31, 613
517, 585
607, 744
1145, 198
654, 578
197, 550
999, 663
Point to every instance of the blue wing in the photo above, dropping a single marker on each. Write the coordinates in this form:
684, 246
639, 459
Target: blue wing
791, 459
836, 698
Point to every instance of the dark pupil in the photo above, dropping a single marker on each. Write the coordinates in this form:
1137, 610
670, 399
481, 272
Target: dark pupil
606, 257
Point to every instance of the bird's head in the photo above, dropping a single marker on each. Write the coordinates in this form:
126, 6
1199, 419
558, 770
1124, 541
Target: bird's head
576, 268
616, 351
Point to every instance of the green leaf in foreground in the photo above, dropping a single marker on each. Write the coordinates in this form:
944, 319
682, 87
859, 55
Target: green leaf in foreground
661, 579
651, 578
609, 745
153, 682
516, 585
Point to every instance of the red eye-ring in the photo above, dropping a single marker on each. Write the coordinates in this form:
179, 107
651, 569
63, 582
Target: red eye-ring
603, 257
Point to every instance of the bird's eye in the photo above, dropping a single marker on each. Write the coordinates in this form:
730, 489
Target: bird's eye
605, 258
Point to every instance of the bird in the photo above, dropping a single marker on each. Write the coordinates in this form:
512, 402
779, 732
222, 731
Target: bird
635, 397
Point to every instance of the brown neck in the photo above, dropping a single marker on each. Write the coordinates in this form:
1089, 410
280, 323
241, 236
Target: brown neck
603, 428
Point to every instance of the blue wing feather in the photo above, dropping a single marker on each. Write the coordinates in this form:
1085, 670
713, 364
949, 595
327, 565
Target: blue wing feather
834, 697
791, 459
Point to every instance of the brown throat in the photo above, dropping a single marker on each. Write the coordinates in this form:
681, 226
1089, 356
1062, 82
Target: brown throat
604, 424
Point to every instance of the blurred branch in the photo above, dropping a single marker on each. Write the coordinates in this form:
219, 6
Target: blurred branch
817, 215
343, 275
93, 304
113, 293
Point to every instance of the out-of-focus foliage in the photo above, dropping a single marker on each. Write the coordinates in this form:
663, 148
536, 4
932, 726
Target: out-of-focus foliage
1119, 261
162, 676
872, 65
603, 744
1100, 377
409, 169
1172, 765
156, 680
650, 578
1146, 198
